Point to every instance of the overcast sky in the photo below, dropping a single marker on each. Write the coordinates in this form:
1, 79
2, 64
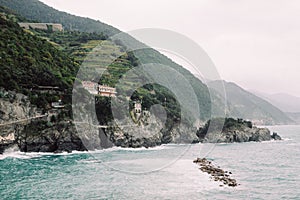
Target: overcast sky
254, 43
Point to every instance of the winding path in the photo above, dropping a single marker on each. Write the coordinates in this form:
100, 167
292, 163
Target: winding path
23, 120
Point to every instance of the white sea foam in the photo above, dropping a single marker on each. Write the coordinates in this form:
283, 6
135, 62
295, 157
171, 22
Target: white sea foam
14, 152
282, 140
286, 139
143, 148
157, 148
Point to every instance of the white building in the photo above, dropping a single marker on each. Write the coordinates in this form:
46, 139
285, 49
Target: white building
107, 91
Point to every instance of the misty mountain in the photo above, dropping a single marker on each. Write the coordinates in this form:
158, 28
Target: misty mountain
243, 104
285, 102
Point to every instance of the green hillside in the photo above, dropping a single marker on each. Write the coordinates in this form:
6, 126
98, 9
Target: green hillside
11, 15
37, 11
29, 62
34, 58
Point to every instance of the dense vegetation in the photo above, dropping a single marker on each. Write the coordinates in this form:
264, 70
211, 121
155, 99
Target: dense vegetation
37, 11
26, 66
28, 62
11, 15
201, 91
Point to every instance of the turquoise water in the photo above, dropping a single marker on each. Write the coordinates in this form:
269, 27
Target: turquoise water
267, 170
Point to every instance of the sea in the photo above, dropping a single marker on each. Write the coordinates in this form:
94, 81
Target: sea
264, 170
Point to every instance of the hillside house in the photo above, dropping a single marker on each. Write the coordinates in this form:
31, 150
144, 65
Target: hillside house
48, 89
57, 105
107, 91
137, 107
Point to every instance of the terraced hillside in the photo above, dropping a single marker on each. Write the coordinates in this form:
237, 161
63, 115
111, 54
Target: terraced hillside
37, 11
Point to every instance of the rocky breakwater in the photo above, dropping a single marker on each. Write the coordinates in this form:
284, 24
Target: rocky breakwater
233, 131
216, 173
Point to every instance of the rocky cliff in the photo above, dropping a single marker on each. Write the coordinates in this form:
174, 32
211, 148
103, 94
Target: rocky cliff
24, 125
13, 107
234, 131
151, 136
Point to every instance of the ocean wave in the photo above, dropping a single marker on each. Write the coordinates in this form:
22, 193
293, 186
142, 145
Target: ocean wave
14, 152
270, 141
17, 154
282, 140
112, 149
286, 139
161, 147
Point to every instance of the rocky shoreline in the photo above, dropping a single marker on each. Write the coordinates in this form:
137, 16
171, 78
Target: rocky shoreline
216, 173
44, 135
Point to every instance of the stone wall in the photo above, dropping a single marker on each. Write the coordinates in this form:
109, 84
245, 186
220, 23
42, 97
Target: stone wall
42, 26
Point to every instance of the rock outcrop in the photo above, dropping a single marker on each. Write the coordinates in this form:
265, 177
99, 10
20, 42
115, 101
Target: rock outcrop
234, 131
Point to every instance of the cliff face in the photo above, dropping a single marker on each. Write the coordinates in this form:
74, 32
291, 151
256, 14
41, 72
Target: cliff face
36, 134
13, 107
151, 136
42, 136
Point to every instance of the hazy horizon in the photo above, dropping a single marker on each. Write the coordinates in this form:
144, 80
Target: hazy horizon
252, 43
